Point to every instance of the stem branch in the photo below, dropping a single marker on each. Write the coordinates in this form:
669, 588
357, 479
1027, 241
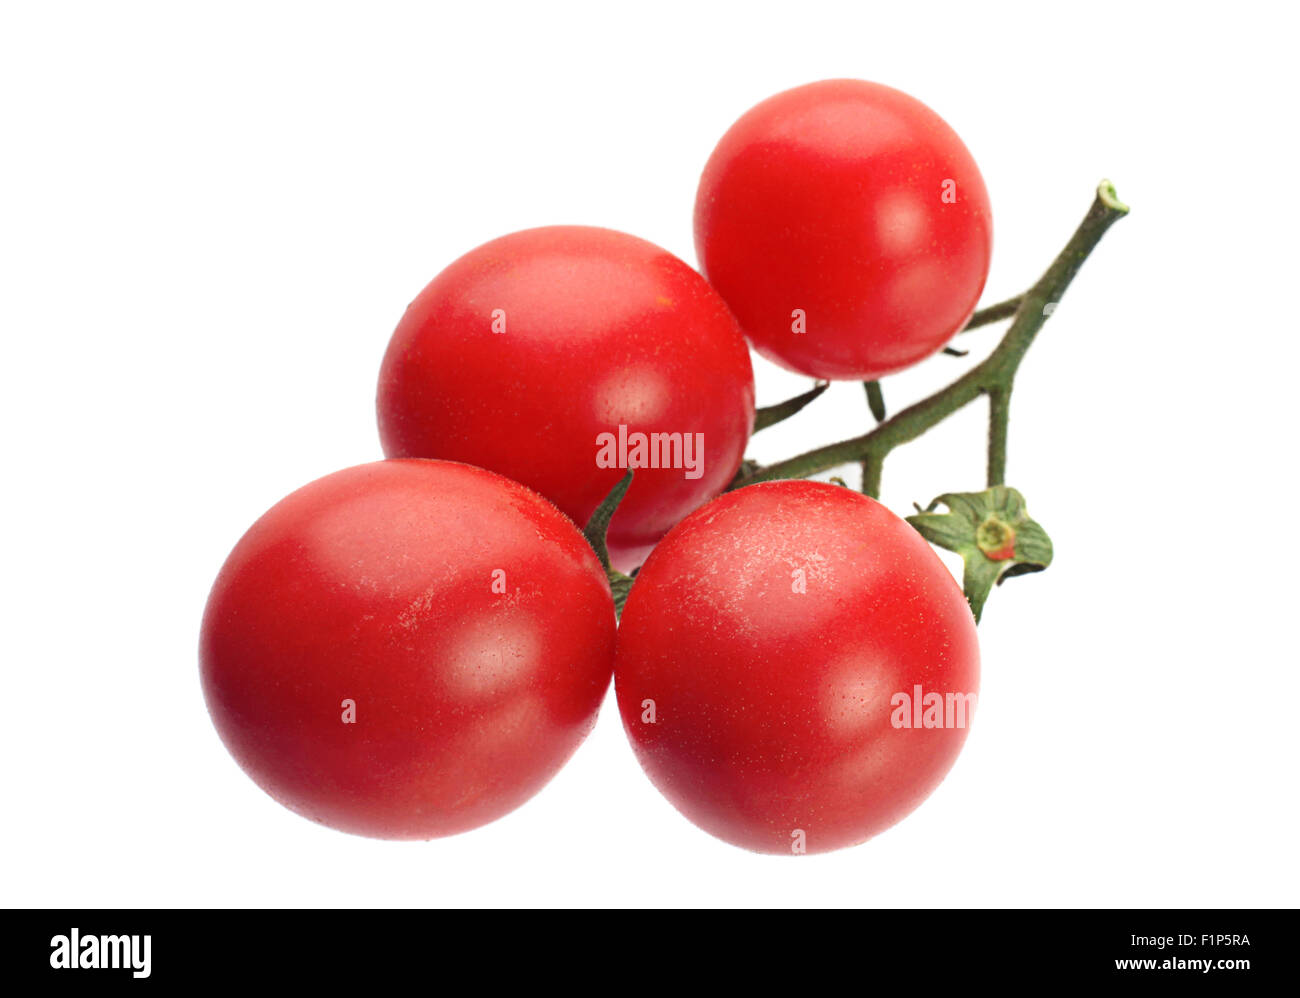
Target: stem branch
993, 313
875, 400
999, 419
873, 466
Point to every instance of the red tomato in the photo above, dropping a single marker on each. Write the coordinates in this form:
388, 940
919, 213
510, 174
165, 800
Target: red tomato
460, 618
769, 653
524, 352
851, 212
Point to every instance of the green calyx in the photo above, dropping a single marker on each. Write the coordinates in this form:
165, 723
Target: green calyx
993, 534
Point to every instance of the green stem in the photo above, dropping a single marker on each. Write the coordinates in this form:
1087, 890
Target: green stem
770, 415
875, 400
999, 420
873, 467
997, 371
596, 529
994, 313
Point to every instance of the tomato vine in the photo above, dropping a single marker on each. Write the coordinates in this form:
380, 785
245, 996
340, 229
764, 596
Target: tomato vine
993, 377
972, 517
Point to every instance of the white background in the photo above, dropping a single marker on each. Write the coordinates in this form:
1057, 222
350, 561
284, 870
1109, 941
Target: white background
213, 215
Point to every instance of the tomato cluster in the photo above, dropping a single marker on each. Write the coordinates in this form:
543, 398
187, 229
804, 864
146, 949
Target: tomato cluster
412, 648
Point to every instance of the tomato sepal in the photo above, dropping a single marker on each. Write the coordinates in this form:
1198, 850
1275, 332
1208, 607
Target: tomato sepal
992, 532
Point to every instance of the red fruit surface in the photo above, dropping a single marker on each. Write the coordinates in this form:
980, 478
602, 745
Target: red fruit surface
857, 206
767, 637
462, 615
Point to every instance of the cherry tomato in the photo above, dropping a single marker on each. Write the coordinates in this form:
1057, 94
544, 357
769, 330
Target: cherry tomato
776, 665
549, 355
407, 649
847, 227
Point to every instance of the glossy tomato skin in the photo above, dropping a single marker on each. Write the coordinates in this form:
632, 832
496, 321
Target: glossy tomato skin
524, 351
856, 205
377, 585
772, 629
